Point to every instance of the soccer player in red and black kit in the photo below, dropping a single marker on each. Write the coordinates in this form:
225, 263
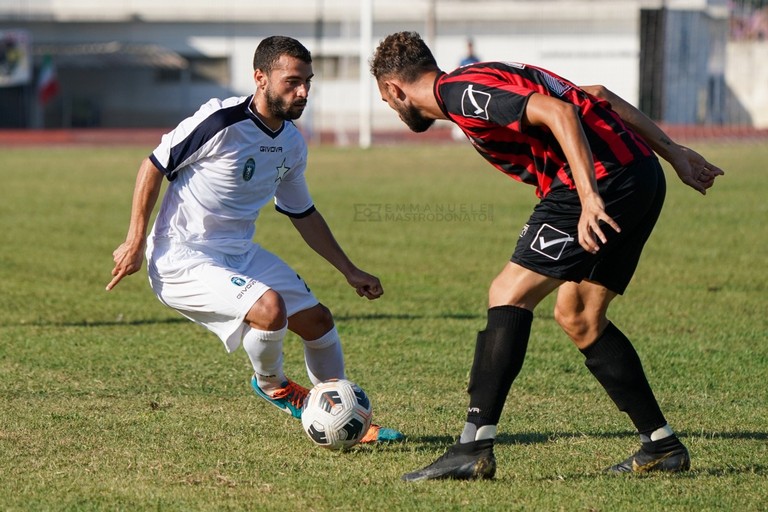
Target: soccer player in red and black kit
590, 156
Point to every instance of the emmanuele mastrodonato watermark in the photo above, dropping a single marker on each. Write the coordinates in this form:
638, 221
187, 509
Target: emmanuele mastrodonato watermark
423, 212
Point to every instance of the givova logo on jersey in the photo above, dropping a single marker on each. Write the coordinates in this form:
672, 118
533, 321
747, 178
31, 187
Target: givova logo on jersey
242, 283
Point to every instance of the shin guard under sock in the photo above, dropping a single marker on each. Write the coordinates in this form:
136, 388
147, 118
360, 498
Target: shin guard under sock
615, 364
265, 350
323, 357
499, 356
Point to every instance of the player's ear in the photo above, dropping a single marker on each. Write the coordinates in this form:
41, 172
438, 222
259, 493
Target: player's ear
395, 91
260, 78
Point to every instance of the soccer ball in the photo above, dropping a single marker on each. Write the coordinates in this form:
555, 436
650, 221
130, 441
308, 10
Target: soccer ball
336, 414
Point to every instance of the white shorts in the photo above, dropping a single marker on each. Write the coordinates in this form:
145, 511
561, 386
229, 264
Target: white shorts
217, 290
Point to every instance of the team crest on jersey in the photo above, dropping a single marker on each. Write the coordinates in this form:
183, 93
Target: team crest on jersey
237, 281
475, 103
248, 169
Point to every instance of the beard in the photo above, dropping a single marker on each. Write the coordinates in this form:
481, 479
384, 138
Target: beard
414, 120
281, 109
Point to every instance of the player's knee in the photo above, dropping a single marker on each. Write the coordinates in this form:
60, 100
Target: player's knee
268, 313
311, 323
323, 317
580, 326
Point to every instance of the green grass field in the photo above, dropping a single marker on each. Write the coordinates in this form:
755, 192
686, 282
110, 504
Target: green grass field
110, 401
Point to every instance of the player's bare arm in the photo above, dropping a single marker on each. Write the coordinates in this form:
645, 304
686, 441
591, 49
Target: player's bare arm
129, 255
317, 234
563, 121
692, 168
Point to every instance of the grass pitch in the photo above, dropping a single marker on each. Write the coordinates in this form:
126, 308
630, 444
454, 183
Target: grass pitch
110, 401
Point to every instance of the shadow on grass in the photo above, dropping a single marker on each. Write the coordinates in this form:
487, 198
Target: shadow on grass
367, 317
756, 436
409, 316
523, 437
694, 473
110, 323
526, 438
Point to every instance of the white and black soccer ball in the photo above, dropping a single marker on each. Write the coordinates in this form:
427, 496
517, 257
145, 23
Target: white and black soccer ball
336, 414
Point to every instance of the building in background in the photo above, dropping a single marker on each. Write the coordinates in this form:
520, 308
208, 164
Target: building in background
142, 63
15, 76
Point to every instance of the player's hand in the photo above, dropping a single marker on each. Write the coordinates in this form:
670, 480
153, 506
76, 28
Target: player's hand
128, 258
365, 284
694, 170
590, 229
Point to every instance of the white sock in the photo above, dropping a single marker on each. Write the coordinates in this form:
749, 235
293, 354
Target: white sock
659, 433
324, 358
265, 350
471, 433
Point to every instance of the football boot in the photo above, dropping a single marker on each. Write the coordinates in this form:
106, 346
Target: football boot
462, 461
673, 460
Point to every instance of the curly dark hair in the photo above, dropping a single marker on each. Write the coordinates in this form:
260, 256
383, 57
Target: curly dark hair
272, 48
403, 55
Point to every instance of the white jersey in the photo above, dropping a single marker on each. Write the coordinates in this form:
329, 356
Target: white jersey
224, 165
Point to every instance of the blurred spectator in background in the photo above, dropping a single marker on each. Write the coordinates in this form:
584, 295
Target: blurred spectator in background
470, 58
750, 25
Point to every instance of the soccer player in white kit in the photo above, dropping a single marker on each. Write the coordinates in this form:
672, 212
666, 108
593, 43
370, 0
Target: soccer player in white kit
223, 164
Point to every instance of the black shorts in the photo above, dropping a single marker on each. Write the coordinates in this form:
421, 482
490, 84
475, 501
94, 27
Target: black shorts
549, 243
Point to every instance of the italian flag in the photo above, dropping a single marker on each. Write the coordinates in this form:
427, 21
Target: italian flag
48, 84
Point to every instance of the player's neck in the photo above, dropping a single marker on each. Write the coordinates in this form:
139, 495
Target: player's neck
270, 121
422, 94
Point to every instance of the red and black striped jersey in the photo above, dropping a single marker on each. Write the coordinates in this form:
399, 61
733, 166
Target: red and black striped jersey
487, 101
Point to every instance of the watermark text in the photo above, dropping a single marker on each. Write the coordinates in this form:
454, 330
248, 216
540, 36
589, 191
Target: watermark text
422, 212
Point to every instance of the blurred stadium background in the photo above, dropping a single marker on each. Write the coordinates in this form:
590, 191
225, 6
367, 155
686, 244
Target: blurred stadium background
88, 65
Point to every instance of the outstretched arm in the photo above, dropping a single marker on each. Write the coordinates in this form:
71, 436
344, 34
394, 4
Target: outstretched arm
692, 168
316, 233
129, 255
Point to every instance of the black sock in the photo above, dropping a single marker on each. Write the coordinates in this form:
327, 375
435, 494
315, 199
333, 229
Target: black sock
499, 356
665, 445
473, 446
615, 364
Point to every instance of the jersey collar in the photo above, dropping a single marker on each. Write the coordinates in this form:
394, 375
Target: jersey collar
259, 123
436, 91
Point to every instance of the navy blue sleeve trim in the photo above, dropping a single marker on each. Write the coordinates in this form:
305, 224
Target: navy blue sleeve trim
301, 215
204, 132
160, 167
